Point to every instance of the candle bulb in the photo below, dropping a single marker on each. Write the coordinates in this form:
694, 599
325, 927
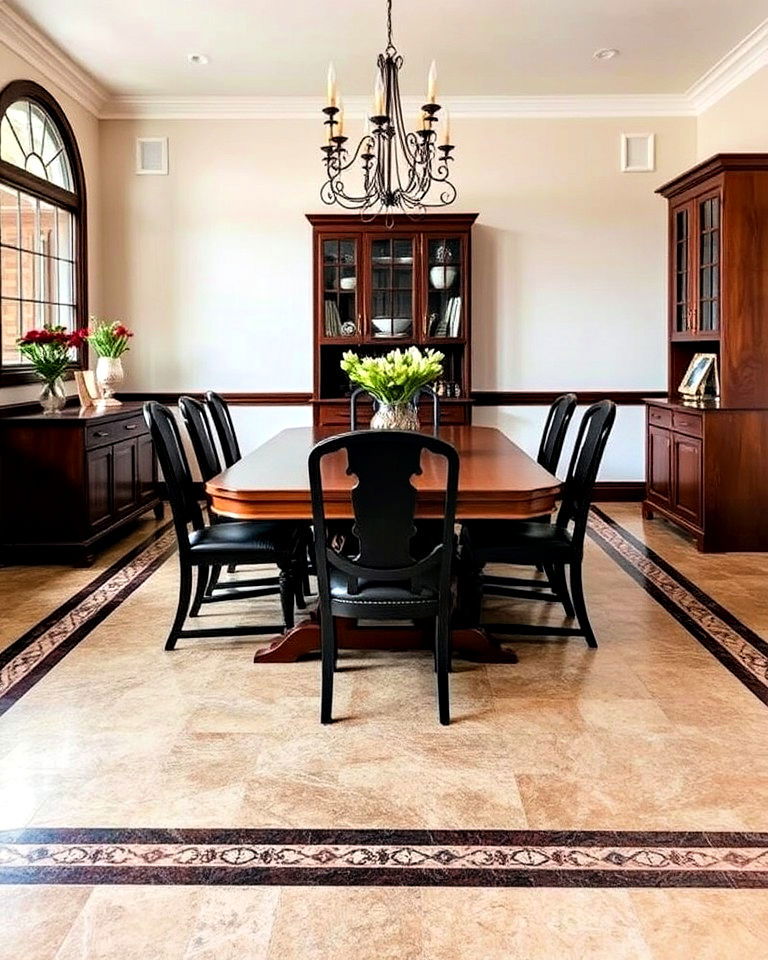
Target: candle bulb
432, 83
331, 85
340, 117
378, 97
447, 130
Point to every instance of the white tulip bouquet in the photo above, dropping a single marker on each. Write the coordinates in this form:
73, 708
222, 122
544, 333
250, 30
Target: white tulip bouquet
397, 376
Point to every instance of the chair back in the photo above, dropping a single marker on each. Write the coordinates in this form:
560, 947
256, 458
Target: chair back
384, 505
225, 429
555, 429
196, 421
425, 390
594, 430
175, 466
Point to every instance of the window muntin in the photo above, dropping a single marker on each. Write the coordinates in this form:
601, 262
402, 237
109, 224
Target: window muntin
30, 140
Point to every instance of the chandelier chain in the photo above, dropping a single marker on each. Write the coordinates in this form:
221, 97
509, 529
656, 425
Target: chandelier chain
390, 45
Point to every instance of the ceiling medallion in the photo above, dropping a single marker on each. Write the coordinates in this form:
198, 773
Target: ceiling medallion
396, 169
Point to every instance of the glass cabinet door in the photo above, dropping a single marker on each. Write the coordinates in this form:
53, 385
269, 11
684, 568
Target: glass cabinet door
708, 305
444, 284
341, 315
391, 286
681, 240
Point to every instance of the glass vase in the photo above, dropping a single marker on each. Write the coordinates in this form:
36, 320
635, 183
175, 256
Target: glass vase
53, 397
396, 416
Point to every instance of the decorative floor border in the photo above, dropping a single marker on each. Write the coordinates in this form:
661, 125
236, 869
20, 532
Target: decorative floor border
516, 858
738, 648
530, 858
28, 659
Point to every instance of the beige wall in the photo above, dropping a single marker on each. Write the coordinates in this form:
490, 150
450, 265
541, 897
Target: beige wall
737, 123
212, 264
86, 128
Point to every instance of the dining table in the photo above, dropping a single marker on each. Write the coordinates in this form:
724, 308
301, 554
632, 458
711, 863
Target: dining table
497, 481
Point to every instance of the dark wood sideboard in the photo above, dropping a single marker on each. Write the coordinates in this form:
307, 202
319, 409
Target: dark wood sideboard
69, 482
707, 466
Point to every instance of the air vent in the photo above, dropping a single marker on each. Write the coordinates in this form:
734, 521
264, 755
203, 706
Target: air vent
152, 155
638, 152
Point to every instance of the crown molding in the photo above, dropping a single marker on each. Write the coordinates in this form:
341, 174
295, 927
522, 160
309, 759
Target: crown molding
29, 43
747, 57
24, 39
467, 108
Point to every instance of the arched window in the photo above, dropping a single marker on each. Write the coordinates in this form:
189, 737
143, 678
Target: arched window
43, 265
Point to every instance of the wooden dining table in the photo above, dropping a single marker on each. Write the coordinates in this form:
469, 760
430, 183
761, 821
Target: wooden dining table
497, 481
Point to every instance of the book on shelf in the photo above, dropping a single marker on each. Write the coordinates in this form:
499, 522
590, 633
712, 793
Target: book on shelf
332, 319
448, 324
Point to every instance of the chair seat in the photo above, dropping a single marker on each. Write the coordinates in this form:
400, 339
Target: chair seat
383, 600
515, 541
245, 541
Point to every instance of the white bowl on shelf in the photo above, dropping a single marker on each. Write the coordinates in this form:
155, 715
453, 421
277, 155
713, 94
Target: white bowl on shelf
386, 327
348, 283
442, 277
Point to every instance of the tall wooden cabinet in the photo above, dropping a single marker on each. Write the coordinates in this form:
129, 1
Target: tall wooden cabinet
386, 283
707, 465
70, 482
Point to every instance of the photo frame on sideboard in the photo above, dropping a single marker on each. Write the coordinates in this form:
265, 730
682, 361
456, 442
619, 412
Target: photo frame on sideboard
87, 391
701, 380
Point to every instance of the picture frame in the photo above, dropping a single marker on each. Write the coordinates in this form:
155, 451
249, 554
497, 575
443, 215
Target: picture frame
87, 391
701, 380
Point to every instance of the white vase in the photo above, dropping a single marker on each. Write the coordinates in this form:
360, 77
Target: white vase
53, 397
442, 277
109, 376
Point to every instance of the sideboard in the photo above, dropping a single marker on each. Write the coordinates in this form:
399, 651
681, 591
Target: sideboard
69, 482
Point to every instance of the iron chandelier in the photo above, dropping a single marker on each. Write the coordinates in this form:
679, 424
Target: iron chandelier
399, 169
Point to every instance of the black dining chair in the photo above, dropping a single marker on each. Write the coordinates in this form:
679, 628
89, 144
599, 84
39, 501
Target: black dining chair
230, 452
238, 542
193, 413
425, 391
553, 545
383, 580
225, 429
550, 449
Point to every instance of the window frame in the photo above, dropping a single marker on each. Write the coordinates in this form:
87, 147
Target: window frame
74, 202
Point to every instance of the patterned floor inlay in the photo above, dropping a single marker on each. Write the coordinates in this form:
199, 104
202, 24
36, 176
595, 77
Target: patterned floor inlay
30, 657
539, 858
732, 642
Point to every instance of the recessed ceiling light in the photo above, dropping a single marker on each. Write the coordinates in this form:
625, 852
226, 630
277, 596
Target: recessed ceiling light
197, 58
605, 53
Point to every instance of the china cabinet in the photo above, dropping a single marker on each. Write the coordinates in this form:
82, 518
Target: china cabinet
386, 283
706, 465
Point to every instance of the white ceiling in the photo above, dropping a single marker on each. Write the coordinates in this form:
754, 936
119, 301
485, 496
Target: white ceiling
482, 47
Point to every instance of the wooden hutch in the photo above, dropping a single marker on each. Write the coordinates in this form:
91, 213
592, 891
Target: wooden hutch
707, 465
391, 282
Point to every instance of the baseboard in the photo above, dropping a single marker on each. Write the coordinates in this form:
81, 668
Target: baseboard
609, 491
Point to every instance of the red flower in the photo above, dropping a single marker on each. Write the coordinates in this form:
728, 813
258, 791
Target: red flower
120, 331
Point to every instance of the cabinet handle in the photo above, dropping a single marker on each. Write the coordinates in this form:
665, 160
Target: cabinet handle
101, 433
131, 426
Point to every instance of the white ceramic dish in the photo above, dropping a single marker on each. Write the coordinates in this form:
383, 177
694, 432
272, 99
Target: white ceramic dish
384, 327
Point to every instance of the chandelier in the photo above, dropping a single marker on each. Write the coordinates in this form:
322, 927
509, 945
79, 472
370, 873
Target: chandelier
394, 168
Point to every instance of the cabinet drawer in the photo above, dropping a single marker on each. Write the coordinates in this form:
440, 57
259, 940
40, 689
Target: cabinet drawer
111, 431
689, 423
659, 417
